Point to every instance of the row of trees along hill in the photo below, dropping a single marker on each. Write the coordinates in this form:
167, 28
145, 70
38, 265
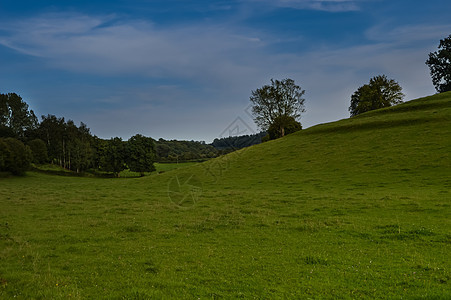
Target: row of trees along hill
25, 140
54, 140
277, 107
227, 144
183, 151
383, 92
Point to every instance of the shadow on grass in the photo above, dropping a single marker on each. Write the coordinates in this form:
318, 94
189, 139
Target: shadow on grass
383, 124
72, 174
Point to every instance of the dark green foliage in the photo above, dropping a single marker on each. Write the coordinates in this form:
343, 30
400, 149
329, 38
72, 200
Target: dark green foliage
5, 154
281, 98
68, 145
51, 131
380, 92
282, 126
140, 154
39, 151
15, 157
182, 151
6, 131
74, 148
113, 156
78, 148
439, 63
238, 142
15, 117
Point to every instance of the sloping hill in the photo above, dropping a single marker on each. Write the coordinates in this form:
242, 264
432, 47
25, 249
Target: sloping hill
339, 198
408, 144
358, 208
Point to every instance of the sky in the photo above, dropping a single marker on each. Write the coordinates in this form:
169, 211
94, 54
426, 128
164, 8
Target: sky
184, 70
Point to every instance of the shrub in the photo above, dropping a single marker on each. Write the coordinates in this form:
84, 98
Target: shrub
16, 156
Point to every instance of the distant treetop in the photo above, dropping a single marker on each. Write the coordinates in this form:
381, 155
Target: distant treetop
378, 93
280, 102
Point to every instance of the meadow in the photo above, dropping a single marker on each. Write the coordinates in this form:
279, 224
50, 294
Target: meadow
358, 208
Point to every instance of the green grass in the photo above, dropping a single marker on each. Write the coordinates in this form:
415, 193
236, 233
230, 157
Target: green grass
164, 167
358, 208
57, 170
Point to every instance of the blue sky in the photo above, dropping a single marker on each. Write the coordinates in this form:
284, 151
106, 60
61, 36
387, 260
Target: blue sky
185, 69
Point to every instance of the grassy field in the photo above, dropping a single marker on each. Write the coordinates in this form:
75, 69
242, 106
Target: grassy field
164, 167
358, 208
51, 169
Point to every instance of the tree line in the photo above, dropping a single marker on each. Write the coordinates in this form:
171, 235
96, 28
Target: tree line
276, 109
184, 151
227, 144
24, 140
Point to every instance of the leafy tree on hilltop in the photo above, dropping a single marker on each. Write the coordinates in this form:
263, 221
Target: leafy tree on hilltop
278, 101
283, 125
380, 92
439, 63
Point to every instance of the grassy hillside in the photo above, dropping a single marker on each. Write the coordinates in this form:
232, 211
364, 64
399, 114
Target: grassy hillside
357, 208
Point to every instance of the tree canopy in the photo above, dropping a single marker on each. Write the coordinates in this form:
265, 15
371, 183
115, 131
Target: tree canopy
237, 142
283, 125
378, 93
140, 154
113, 156
15, 117
280, 99
15, 157
39, 151
439, 63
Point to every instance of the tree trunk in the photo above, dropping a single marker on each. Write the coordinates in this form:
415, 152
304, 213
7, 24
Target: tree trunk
282, 131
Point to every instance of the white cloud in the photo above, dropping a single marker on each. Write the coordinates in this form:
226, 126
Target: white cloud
407, 34
211, 68
98, 44
323, 5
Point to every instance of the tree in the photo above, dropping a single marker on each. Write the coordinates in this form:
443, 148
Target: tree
39, 151
280, 99
113, 156
439, 63
380, 92
15, 115
5, 155
52, 131
283, 125
140, 154
78, 153
16, 156
68, 145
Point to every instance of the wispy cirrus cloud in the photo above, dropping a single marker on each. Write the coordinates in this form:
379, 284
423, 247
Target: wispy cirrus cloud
322, 5
199, 72
108, 45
